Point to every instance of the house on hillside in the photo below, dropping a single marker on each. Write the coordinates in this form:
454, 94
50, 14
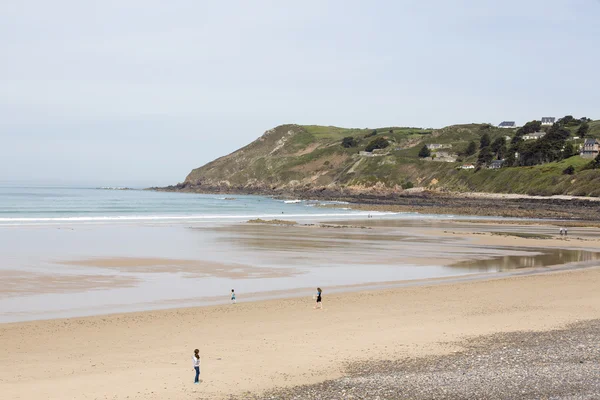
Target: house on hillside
437, 146
496, 164
467, 166
591, 148
534, 136
548, 121
507, 124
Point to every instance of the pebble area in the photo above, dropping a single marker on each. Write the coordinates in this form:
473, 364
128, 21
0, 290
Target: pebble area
558, 364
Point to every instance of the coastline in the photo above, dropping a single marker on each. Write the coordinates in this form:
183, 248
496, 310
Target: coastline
425, 201
249, 348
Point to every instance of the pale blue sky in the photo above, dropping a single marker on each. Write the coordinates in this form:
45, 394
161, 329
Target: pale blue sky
139, 92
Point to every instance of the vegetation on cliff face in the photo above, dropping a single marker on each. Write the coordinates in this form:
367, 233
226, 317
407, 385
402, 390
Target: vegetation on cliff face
292, 158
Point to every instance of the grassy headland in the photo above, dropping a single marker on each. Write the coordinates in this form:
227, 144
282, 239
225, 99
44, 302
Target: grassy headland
293, 159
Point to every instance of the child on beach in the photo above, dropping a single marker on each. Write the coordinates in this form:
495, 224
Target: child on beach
319, 303
196, 361
232, 296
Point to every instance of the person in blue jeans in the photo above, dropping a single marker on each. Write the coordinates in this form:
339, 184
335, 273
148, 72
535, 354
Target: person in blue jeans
196, 360
319, 304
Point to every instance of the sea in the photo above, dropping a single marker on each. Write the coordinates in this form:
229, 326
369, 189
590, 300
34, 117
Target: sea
79, 251
39, 205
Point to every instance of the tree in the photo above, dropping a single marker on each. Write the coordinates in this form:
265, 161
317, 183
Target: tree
471, 149
377, 143
485, 156
348, 142
517, 138
530, 127
547, 149
484, 141
568, 120
510, 158
498, 147
371, 134
424, 152
583, 129
569, 151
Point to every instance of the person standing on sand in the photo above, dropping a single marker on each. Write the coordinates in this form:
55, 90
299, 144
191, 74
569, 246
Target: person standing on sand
232, 296
196, 361
319, 303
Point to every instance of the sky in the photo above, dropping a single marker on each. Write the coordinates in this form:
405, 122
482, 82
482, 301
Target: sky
139, 92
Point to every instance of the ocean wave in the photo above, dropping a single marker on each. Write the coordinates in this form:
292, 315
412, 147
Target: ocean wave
114, 188
125, 218
292, 201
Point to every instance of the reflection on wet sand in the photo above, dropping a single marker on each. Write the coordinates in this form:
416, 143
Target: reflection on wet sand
546, 258
400, 242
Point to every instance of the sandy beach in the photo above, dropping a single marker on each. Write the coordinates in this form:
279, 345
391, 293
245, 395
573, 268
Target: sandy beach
256, 346
508, 277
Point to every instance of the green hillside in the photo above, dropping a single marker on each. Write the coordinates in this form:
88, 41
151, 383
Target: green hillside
307, 158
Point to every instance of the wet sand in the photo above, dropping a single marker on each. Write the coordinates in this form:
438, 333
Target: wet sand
15, 282
253, 347
85, 271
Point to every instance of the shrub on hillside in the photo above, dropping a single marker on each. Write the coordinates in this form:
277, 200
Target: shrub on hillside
368, 135
594, 164
424, 152
348, 142
407, 185
583, 129
570, 170
569, 151
471, 149
378, 143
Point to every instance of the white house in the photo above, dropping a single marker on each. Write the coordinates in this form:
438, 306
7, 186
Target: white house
437, 146
534, 136
507, 124
548, 121
467, 166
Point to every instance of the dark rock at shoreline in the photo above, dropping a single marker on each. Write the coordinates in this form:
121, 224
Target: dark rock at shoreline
427, 202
